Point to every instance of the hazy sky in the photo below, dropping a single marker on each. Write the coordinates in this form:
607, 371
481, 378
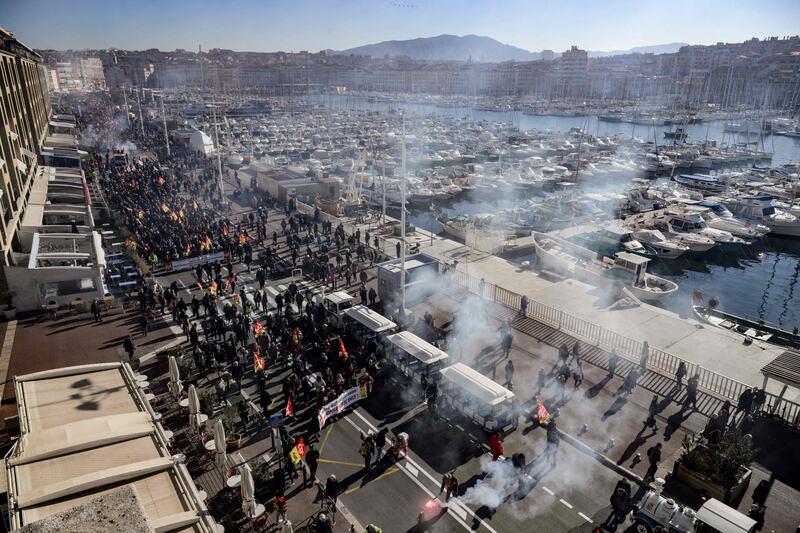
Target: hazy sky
293, 25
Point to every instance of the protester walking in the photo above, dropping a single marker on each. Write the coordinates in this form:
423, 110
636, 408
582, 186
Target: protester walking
449, 485
366, 449
654, 457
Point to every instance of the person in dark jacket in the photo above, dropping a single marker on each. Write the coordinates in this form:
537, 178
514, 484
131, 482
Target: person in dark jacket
129, 347
761, 492
654, 456
380, 443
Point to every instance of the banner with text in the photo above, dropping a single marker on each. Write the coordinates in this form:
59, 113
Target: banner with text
193, 262
345, 400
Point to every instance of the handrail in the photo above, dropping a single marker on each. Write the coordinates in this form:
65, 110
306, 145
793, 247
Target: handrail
630, 349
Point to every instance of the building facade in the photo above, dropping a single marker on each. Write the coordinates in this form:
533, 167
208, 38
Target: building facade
25, 110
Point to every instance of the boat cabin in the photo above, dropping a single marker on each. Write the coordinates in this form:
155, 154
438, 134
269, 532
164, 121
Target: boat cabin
631, 263
413, 356
685, 222
477, 397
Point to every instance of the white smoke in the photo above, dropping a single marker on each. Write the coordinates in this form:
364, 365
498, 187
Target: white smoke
500, 481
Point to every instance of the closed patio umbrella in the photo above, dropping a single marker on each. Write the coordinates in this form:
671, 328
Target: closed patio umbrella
174, 376
219, 443
194, 406
248, 491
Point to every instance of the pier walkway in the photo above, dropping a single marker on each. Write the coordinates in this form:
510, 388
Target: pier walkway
726, 365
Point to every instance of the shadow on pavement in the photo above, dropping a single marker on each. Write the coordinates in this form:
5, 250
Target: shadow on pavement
438, 443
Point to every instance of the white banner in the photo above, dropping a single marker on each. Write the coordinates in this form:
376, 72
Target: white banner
193, 262
345, 400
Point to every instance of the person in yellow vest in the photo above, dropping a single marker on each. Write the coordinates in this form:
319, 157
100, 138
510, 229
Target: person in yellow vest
373, 529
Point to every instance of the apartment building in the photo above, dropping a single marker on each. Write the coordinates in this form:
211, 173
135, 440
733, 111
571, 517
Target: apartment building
25, 109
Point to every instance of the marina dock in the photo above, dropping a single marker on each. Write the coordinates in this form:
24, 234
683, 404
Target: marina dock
713, 349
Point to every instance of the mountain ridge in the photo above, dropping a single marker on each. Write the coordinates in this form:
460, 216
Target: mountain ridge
479, 48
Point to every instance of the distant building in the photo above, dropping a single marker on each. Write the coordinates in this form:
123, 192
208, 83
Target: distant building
573, 69
78, 74
548, 55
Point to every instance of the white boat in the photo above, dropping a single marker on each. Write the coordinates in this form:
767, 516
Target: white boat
625, 269
458, 226
761, 209
657, 220
664, 247
702, 182
685, 221
717, 216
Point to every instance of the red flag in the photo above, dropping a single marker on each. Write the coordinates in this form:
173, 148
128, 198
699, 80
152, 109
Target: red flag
541, 413
258, 329
225, 230
258, 363
160, 180
342, 349
289, 411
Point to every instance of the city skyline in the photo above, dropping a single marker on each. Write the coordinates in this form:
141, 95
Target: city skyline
247, 25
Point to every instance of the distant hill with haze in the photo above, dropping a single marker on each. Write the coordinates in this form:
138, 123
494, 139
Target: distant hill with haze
447, 48
477, 48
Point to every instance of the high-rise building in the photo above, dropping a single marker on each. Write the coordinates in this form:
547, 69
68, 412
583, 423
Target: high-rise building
25, 109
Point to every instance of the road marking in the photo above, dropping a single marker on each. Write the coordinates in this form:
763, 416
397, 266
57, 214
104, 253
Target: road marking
413, 470
391, 471
345, 463
585, 517
458, 509
548, 491
427, 491
566, 503
324, 439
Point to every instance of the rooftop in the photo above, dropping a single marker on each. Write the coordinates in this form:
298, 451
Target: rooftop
87, 431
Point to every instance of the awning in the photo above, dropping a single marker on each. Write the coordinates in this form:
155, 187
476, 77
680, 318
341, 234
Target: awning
784, 368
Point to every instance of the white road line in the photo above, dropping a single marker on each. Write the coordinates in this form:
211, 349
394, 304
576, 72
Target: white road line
458, 509
566, 503
548, 491
585, 517
413, 470
419, 483
429, 476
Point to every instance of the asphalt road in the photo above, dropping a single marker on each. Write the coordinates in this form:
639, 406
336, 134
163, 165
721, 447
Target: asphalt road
569, 495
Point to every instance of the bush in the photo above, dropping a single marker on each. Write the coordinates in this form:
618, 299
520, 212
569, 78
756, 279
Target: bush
207, 402
230, 420
723, 462
186, 366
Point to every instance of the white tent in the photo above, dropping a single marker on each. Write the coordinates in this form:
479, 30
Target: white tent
200, 142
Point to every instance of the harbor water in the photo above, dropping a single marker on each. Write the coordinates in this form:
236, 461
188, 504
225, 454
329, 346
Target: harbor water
757, 282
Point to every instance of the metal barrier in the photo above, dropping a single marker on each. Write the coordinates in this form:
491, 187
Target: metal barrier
630, 349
